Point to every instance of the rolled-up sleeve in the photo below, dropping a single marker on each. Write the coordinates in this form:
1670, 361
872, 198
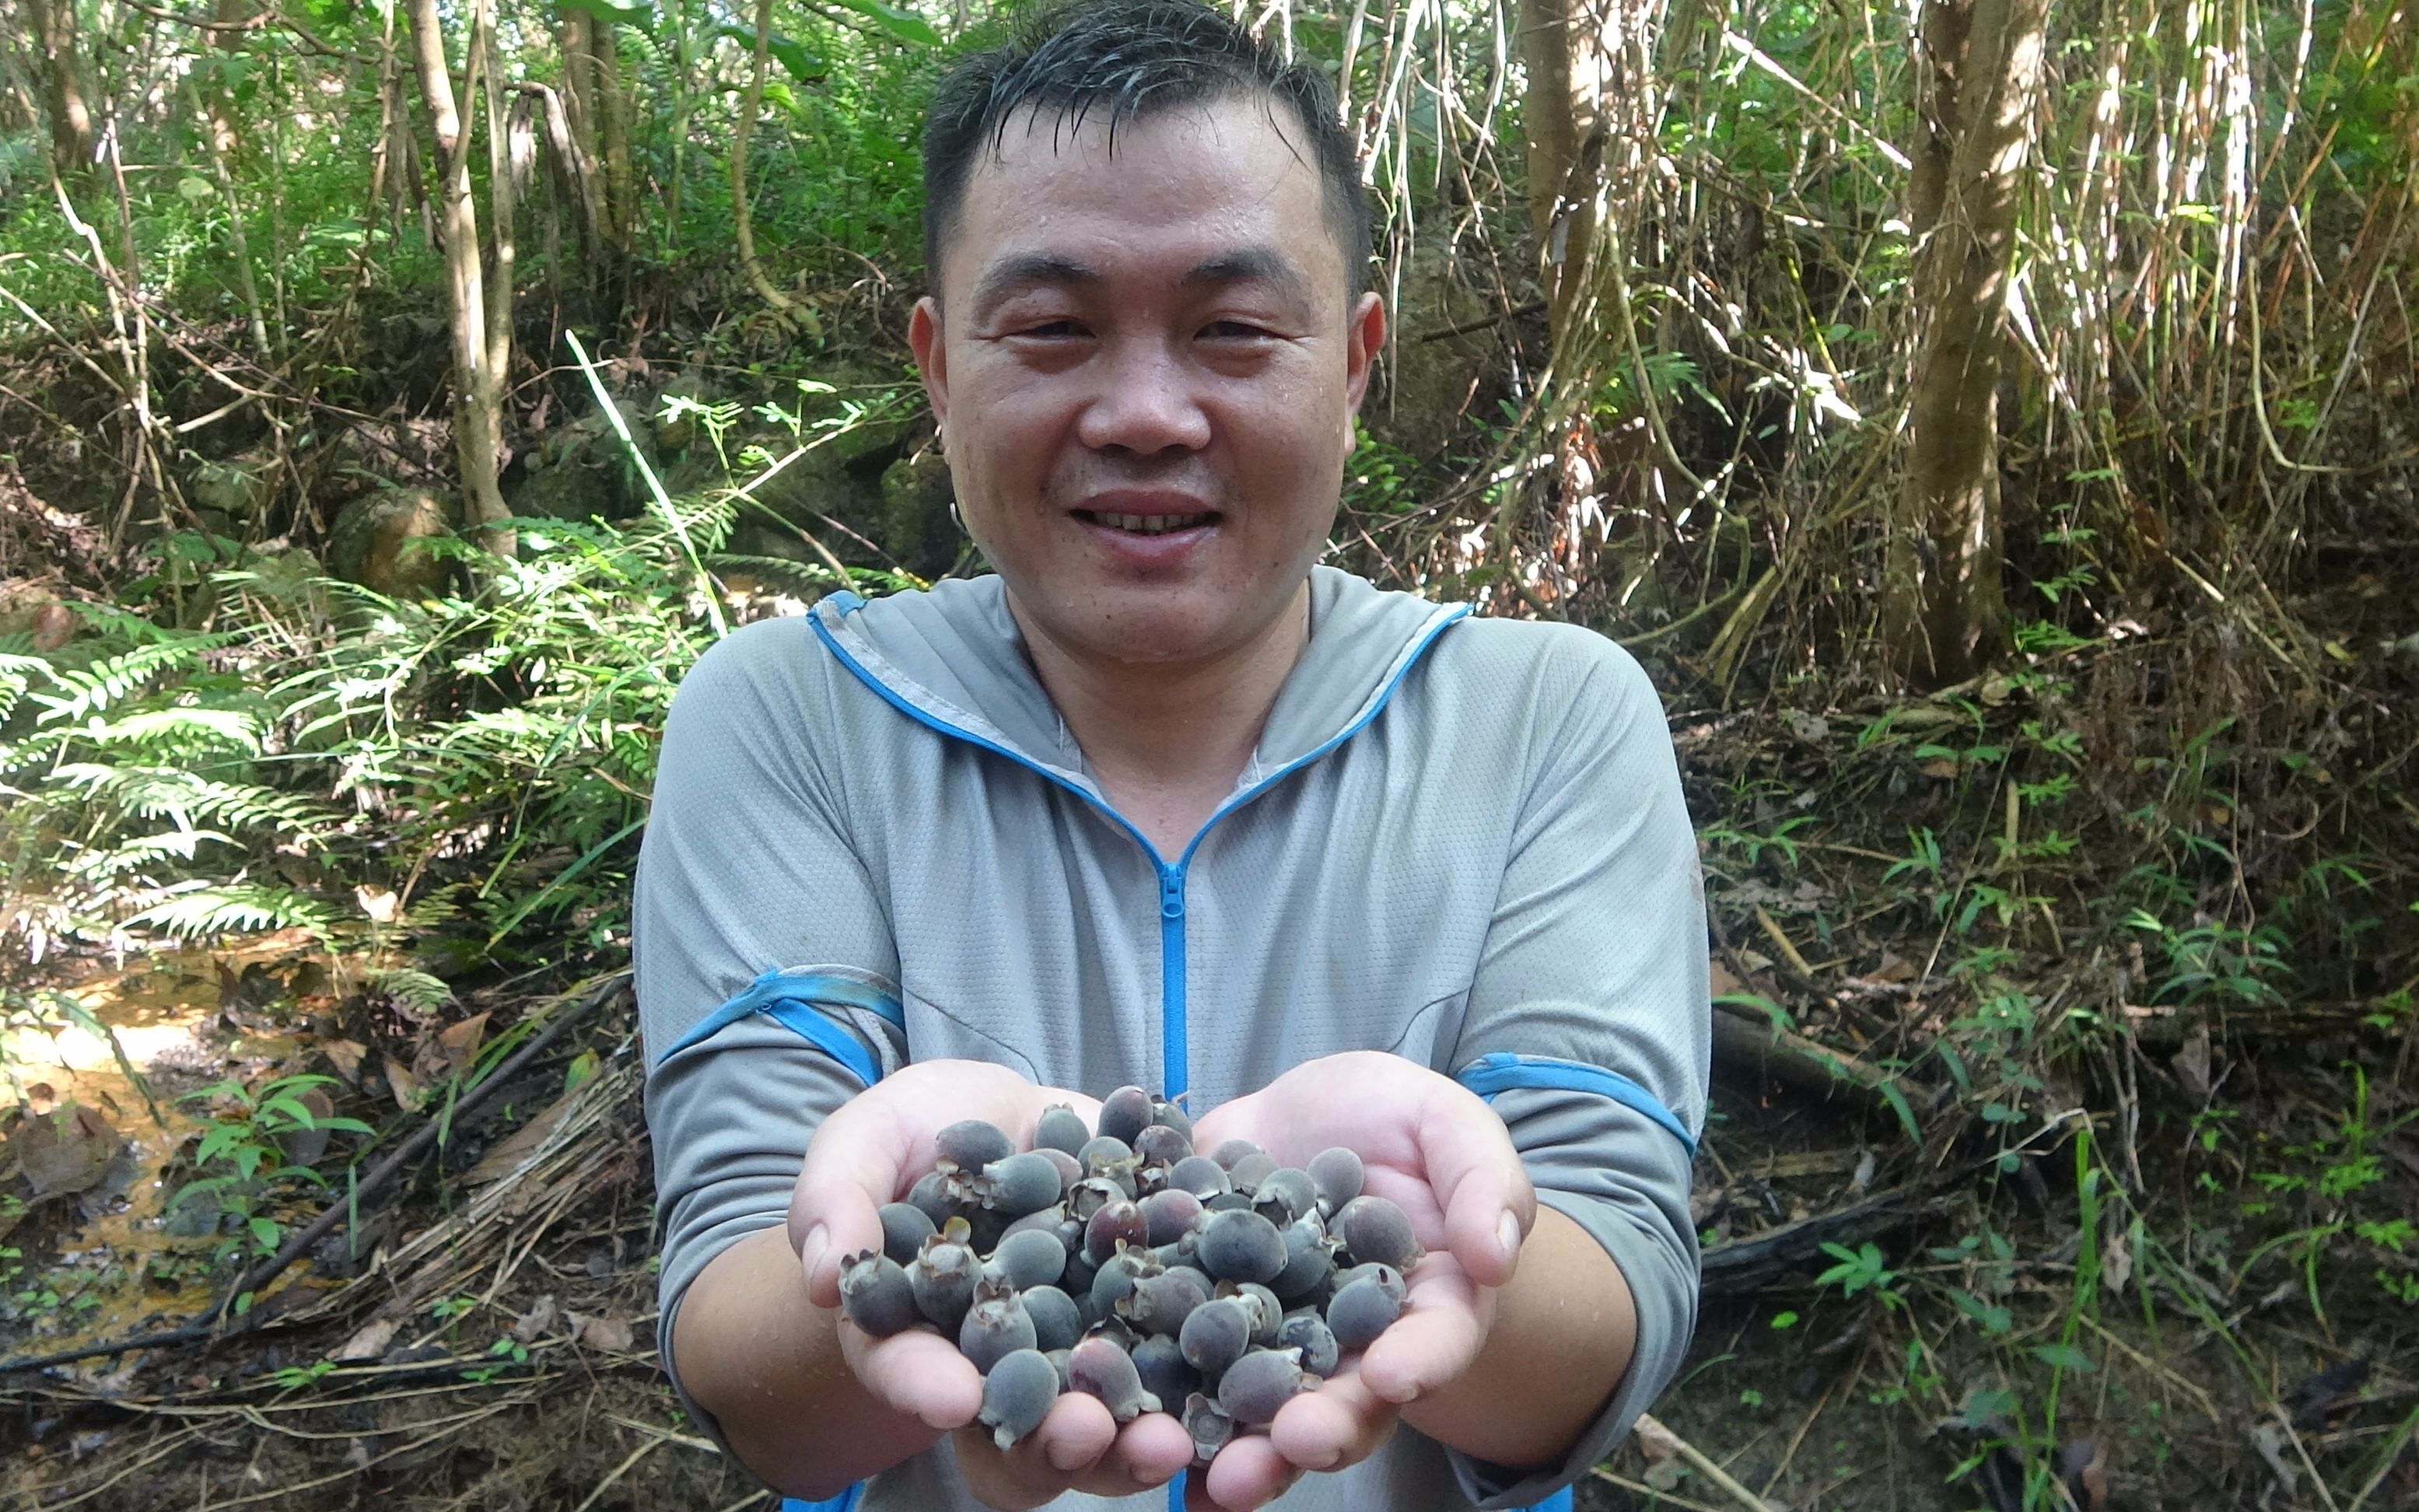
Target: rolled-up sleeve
1589, 1027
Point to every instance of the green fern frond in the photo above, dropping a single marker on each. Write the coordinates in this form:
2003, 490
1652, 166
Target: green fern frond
204, 912
413, 989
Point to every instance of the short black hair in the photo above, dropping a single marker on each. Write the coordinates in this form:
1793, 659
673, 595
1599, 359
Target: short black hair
1131, 58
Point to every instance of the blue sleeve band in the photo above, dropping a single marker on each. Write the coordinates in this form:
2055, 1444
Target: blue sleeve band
790, 998
1503, 1073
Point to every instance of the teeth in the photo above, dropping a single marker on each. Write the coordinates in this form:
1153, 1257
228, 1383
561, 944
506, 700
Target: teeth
1153, 524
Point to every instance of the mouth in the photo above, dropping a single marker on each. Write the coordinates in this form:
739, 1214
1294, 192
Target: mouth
1147, 524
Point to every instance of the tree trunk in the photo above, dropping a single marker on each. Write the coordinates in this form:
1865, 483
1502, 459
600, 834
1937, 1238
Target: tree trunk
1942, 606
1563, 42
55, 40
753, 101
478, 379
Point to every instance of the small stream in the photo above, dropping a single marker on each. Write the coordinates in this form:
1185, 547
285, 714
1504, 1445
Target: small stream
89, 1248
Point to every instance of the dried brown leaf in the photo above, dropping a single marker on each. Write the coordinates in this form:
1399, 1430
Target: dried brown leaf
369, 1342
63, 1152
607, 1335
462, 1041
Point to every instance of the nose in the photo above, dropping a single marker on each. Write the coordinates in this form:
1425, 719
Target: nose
1147, 401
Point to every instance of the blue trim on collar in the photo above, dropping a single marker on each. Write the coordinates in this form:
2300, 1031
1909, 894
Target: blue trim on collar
1501, 1071
1175, 1071
789, 999
845, 1501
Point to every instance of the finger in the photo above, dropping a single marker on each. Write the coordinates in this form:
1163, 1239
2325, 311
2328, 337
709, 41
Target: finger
1434, 1341
916, 1373
1149, 1452
1075, 1436
1248, 1473
1340, 1424
1489, 1205
854, 1164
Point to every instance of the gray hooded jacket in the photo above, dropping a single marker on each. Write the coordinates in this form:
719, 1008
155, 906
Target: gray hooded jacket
1462, 841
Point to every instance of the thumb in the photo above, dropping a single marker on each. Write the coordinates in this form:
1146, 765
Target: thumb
853, 1166
1489, 1205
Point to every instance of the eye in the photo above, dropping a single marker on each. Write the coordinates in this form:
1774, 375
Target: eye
1061, 330
1236, 331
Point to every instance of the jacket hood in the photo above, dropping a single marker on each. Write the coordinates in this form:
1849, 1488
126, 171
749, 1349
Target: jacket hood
953, 656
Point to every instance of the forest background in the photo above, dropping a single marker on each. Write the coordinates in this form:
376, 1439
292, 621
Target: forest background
1991, 422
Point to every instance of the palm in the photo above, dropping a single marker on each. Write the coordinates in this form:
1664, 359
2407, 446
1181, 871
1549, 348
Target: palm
1434, 1150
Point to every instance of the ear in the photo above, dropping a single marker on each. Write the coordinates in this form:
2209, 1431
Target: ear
924, 339
1365, 332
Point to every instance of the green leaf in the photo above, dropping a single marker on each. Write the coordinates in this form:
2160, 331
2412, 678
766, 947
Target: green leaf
642, 16
2063, 1357
905, 25
1994, 1320
790, 53
1784, 1319
265, 1231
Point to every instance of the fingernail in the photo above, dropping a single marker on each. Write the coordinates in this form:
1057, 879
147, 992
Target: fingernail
1507, 1235
810, 1254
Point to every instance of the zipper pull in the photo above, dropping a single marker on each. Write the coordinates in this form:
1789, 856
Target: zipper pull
1171, 894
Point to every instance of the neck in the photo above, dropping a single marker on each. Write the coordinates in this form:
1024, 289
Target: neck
1169, 741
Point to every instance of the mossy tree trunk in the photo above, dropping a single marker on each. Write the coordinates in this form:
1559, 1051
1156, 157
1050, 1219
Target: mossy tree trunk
63, 93
1563, 44
1977, 86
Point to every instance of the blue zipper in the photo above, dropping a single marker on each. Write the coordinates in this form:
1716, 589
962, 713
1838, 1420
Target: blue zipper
1174, 1071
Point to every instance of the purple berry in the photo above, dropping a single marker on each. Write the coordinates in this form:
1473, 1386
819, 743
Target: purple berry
1373, 1228
1125, 1113
1309, 1333
1099, 1369
1158, 1145
1161, 1304
944, 1278
1170, 1213
1386, 1276
1019, 1184
971, 1144
1159, 1360
1247, 1173
1209, 1428
1309, 1259
1115, 1222
1232, 1150
1199, 1175
1240, 1245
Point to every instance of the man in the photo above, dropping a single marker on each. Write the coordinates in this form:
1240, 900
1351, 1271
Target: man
1164, 803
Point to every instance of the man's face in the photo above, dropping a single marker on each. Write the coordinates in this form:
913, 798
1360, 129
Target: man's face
1146, 365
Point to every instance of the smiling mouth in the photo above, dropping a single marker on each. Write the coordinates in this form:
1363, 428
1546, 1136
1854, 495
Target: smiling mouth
1147, 524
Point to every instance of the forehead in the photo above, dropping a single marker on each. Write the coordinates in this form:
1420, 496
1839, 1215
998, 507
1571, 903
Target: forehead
1173, 187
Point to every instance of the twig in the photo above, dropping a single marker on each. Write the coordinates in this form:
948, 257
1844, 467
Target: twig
1773, 932
299, 1242
1655, 1497
618, 1471
1702, 1465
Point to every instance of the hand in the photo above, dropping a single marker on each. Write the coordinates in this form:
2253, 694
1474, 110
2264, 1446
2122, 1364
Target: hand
870, 1152
1431, 1147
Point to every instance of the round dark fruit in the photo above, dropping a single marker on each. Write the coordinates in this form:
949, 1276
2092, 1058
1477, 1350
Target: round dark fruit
1373, 1228
1169, 1213
1115, 1222
1161, 1304
1337, 1173
929, 1196
876, 1295
1158, 1145
1169, 1115
1227, 1153
1020, 1185
1159, 1360
1199, 1175
1309, 1333
1098, 1367
997, 1325
1061, 1129
1284, 1195
1240, 1245
1246, 1173
944, 1278
1057, 1323
1216, 1334
1358, 1313
1385, 1276
1125, 1113
904, 1229
971, 1144
1209, 1428
1017, 1394
1309, 1259
1256, 1386
1031, 1258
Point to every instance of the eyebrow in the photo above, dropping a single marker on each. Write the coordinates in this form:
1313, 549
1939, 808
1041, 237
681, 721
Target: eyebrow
1031, 269
1014, 274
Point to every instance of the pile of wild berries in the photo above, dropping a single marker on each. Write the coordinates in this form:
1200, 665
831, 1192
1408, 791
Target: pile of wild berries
1122, 1264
